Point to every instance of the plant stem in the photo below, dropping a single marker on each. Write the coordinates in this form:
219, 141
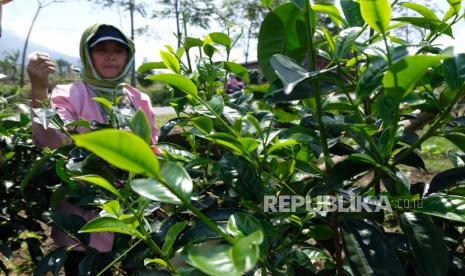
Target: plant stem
396, 114
388, 54
429, 132
316, 89
231, 130
347, 94
432, 38
187, 204
119, 257
337, 245
226, 75
207, 221
147, 239
417, 143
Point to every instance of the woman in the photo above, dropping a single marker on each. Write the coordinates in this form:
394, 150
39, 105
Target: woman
106, 55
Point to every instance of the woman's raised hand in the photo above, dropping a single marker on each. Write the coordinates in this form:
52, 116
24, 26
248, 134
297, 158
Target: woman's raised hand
39, 68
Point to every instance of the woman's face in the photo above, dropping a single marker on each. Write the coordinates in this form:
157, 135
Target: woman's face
109, 58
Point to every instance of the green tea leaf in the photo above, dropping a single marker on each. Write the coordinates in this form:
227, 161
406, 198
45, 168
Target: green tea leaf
204, 124
266, 3
140, 125
330, 40
154, 190
298, 257
291, 74
248, 144
109, 224
445, 180
221, 39
367, 249
450, 207
352, 13
278, 35
434, 26
245, 251
454, 9
345, 40
112, 207
170, 61
371, 79
171, 236
454, 71
228, 141
105, 103
387, 107
299, 3
427, 241
178, 81
331, 11
345, 170
122, 149
242, 177
377, 13
455, 4
150, 66
177, 179
53, 262
427, 13
223, 259
175, 152
403, 75
242, 224
159, 261
178, 184
213, 260
208, 47
255, 123
457, 138
190, 42
281, 144
236, 69
217, 104
99, 182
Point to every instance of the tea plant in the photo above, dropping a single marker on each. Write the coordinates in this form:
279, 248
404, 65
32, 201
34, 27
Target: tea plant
21, 213
342, 113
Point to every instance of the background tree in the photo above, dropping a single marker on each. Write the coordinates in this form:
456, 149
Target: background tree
198, 13
410, 32
41, 4
245, 15
9, 64
63, 67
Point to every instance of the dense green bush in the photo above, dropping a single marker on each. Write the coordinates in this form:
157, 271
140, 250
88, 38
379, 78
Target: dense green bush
343, 114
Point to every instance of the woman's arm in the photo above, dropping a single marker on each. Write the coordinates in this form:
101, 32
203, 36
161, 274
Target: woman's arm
39, 68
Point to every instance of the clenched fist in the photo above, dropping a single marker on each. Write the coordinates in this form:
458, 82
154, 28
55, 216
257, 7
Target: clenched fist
39, 68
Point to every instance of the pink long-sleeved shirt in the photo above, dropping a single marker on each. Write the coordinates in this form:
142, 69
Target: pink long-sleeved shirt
74, 102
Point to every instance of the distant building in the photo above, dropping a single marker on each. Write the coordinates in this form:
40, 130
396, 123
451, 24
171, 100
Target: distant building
251, 66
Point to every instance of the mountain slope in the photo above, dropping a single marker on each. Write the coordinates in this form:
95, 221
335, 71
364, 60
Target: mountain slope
10, 41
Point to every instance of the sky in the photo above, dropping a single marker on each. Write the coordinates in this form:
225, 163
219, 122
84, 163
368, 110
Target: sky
59, 26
